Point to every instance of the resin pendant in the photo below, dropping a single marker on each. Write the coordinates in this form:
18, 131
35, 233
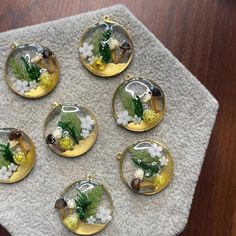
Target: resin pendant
17, 155
146, 167
31, 70
106, 48
85, 207
138, 104
70, 130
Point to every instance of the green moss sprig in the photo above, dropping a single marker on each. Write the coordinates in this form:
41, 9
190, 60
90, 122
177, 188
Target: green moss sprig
82, 204
104, 46
32, 70
6, 153
100, 44
138, 106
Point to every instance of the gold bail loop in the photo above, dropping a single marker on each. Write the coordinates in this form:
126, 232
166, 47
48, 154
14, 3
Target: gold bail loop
119, 156
106, 18
14, 45
55, 104
90, 177
128, 76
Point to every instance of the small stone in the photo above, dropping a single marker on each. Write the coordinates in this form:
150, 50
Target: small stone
50, 139
125, 46
156, 91
135, 184
15, 134
60, 203
46, 53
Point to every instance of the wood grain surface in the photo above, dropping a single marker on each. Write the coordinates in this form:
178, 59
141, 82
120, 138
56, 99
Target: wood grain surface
202, 35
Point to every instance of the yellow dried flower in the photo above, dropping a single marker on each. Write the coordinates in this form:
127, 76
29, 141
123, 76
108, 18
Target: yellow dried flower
149, 116
98, 64
71, 222
158, 180
19, 158
45, 80
66, 143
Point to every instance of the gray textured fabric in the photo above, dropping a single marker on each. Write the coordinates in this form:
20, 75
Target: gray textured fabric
27, 207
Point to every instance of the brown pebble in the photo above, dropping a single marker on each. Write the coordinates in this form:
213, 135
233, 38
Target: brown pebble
15, 134
60, 203
135, 184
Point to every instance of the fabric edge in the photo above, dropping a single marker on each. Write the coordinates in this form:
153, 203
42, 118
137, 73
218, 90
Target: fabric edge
213, 121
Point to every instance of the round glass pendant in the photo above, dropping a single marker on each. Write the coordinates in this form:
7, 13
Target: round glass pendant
31, 70
146, 167
106, 48
17, 155
70, 130
138, 104
85, 207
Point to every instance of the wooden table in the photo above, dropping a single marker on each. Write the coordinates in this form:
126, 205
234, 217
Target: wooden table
202, 35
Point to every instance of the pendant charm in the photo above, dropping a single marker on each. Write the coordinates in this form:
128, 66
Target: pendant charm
70, 130
85, 207
106, 48
146, 167
138, 104
31, 70
17, 155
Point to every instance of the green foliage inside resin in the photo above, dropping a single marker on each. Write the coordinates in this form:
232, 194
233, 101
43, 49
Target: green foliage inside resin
95, 197
100, 45
82, 204
104, 46
24, 70
138, 106
87, 204
71, 123
32, 70
105, 52
96, 39
127, 101
18, 69
143, 159
6, 155
134, 106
